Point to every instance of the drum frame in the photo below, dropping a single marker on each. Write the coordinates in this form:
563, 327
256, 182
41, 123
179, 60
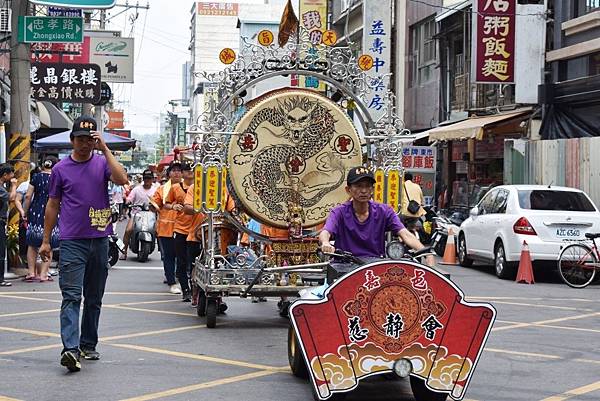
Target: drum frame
338, 67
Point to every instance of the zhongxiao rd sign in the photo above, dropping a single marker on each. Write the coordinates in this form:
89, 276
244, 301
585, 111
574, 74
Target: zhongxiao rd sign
50, 29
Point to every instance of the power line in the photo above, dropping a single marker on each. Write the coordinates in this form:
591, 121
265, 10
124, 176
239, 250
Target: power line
465, 11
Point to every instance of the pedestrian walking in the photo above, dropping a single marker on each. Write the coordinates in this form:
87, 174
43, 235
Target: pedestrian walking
166, 224
35, 207
182, 227
116, 193
79, 191
7, 177
412, 204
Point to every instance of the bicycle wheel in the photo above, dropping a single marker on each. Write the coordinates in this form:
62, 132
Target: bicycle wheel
577, 265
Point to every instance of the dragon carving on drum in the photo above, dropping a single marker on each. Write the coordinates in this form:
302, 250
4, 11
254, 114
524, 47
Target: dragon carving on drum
309, 127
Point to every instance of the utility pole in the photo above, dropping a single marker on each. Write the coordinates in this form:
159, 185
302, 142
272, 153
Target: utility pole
99, 110
19, 139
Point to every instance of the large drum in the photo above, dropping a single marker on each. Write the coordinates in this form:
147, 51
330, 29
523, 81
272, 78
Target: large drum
294, 148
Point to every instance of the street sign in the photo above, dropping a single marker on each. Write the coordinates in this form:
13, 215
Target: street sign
76, 3
50, 29
64, 12
70, 83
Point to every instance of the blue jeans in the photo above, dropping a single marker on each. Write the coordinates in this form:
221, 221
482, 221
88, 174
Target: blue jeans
167, 247
83, 266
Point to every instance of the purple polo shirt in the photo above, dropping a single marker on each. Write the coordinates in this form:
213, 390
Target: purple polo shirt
82, 188
366, 238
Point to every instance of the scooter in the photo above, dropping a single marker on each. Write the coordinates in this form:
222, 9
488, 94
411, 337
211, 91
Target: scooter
442, 225
115, 245
143, 237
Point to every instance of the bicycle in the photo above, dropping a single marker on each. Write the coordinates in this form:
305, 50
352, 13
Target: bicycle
578, 262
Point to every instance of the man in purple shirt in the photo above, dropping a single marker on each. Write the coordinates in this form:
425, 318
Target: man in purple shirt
359, 225
79, 191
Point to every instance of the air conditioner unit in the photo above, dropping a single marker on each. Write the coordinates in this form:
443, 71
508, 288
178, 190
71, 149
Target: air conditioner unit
5, 14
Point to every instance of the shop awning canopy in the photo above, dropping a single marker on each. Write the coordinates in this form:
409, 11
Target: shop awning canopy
61, 141
51, 116
476, 127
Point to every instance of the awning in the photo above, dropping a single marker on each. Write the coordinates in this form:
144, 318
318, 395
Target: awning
62, 141
51, 116
450, 10
476, 127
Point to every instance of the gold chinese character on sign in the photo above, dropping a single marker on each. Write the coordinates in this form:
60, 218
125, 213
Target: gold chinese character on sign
227, 56
496, 25
329, 37
365, 62
500, 6
497, 68
265, 37
495, 46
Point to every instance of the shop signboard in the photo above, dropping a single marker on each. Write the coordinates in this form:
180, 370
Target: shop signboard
377, 22
72, 53
69, 83
115, 119
421, 162
114, 56
217, 9
181, 125
494, 26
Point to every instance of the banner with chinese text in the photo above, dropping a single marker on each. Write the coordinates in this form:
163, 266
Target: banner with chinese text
377, 20
313, 19
421, 162
385, 311
494, 25
70, 83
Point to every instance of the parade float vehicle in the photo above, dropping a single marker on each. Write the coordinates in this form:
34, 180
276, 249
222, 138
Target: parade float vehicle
281, 158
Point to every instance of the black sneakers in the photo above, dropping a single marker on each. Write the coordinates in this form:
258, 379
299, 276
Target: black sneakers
90, 354
70, 359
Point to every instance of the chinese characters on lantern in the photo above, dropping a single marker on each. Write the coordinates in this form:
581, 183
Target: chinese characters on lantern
494, 39
69, 83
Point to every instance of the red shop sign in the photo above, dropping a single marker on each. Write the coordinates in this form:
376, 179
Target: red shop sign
494, 25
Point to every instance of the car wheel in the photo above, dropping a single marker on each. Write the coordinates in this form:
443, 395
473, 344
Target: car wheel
504, 270
463, 259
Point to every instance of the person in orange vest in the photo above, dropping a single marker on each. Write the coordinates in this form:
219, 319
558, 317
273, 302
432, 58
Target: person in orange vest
193, 245
166, 224
183, 224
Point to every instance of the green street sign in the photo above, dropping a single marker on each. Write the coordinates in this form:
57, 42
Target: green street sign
76, 3
50, 29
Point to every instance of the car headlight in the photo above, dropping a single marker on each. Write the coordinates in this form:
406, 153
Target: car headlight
403, 367
395, 250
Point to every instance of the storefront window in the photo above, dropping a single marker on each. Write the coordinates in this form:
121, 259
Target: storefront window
580, 67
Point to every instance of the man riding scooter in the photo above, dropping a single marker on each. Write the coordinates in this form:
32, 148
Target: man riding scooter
359, 225
139, 200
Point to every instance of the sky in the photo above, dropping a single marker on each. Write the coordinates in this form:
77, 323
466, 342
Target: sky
162, 38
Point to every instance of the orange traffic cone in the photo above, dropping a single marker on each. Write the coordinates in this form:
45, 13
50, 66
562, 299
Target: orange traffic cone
525, 273
450, 251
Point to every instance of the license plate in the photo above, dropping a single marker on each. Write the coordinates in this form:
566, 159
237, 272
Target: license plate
567, 232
